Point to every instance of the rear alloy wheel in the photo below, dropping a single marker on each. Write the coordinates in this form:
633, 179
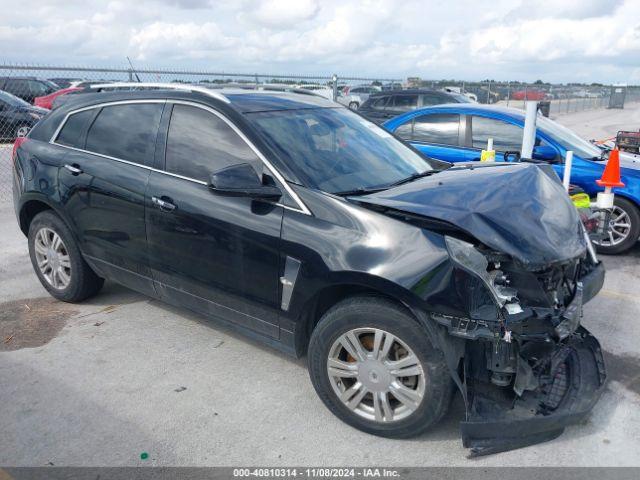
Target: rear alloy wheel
354, 105
624, 228
374, 367
57, 260
52, 258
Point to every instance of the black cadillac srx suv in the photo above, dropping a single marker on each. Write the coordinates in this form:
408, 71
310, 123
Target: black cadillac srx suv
306, 226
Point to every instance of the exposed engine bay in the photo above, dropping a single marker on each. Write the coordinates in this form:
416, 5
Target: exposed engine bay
528, 368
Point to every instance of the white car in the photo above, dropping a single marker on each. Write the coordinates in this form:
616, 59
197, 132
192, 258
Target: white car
353, 97
322, 90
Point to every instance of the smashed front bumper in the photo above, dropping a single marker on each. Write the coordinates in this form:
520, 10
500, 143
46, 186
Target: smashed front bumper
576, 380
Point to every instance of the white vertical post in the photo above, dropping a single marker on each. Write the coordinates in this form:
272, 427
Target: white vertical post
529, 131
489, 144
566, 177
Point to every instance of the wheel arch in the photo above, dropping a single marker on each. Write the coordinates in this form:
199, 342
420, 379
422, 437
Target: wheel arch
31, 206
317, 305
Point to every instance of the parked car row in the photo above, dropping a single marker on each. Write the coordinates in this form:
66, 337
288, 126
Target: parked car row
17, 117
299, 222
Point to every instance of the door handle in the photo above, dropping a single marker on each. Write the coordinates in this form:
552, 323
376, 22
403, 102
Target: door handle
74, 169
164, 205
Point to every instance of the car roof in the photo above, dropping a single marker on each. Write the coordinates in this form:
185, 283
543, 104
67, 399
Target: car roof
411, 91
247, 101
238, 99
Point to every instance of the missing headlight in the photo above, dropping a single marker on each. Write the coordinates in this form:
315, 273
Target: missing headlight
473, 261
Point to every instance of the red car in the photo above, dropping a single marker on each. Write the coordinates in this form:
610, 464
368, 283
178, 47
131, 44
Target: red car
47, 100
536, 95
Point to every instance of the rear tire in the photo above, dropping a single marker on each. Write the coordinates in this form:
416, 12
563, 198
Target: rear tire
354, 105
391, 400
627, 212
57, 260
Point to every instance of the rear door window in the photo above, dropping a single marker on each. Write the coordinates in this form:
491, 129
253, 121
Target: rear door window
378, 103
73, 129
199, 143
506, 136
431, 100
441, 128
38, 89
405, 102
126, 132
17, 86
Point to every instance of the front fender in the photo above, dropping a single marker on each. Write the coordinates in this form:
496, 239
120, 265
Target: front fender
346, 244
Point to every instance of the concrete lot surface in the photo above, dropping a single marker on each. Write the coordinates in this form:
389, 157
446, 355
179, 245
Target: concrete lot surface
99, 383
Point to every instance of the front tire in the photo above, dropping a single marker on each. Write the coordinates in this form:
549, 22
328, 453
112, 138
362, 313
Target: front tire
374, 367
57, 260
624, 228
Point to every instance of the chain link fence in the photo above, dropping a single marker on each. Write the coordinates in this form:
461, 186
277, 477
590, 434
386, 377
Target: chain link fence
560, 99
27, 92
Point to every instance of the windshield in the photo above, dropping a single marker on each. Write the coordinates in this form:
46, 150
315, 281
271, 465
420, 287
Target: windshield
568, 139
336, 150
12, 100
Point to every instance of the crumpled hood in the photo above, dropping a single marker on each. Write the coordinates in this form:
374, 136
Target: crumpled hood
518, 209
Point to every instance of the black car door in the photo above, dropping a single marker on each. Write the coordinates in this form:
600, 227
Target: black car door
215, 254
102, 185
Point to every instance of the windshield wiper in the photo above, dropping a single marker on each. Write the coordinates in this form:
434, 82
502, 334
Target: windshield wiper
360, 191
413, 177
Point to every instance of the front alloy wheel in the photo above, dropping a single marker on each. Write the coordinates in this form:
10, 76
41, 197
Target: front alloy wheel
623, 228
375, 367
376, 375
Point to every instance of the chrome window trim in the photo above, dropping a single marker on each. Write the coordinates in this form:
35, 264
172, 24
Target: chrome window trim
302, 208
91, 107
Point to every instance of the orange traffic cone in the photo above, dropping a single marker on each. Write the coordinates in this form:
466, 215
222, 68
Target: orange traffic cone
611, 174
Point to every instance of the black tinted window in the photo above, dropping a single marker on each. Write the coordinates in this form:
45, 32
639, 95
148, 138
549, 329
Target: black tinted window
506, 136
73, 128
199, 143
18, 87
126, 131
405, 102
39, 88
432, 100
378, 102
440, 128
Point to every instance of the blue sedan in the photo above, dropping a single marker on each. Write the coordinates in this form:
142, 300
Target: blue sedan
459, 132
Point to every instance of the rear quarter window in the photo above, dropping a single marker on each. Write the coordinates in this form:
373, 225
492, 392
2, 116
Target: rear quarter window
73, 129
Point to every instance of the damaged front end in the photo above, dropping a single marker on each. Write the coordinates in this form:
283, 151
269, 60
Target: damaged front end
528, 368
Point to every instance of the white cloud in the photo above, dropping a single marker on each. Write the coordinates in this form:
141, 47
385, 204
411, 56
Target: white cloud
596, 40
281, 13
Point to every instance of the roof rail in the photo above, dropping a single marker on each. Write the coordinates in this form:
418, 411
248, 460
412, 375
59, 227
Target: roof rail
265, 87
162, 86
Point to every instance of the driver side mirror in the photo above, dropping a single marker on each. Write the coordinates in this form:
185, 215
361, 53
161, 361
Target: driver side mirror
241, 180
545, 153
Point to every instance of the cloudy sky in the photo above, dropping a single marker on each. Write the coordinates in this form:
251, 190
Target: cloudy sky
554, 40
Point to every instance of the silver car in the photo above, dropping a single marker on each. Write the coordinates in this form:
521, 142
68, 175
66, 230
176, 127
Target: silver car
353, 97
